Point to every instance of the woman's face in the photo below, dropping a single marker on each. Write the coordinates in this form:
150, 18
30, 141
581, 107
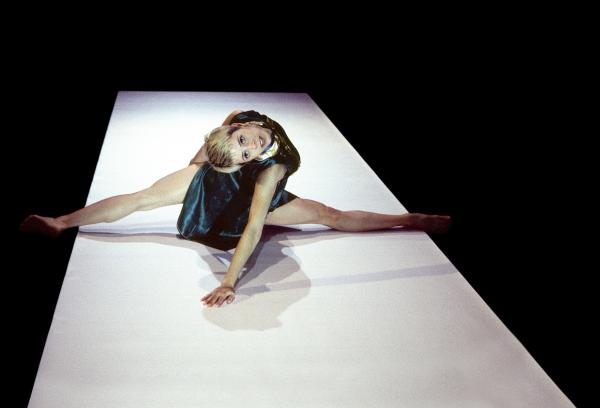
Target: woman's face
248, 142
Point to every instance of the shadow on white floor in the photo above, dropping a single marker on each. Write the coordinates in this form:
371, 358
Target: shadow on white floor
271, 269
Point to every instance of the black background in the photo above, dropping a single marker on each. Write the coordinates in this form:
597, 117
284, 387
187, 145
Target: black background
449, 129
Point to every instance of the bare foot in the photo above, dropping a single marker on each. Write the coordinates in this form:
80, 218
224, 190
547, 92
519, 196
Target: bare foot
35, 224
435, 224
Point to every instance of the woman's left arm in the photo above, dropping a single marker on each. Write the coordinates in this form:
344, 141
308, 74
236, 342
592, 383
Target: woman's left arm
230, 117
261, 200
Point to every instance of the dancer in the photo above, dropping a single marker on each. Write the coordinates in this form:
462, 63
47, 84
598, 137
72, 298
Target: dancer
231, 188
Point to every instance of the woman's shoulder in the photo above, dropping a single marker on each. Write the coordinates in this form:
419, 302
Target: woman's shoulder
281, 161
274, 172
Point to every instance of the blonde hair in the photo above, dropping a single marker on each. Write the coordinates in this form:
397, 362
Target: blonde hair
218, 148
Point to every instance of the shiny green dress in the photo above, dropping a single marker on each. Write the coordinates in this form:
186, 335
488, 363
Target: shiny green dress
217, 205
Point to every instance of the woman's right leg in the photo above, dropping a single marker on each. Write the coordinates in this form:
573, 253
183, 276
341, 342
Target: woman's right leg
168, 190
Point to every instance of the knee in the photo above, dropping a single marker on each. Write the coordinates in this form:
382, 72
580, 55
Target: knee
144, 199
329, 216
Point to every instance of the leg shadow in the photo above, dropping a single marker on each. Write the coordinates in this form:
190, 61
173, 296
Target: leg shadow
272, 263
273, 272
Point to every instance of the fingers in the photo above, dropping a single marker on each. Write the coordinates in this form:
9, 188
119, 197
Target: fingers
210, 299
218, 297
219, 300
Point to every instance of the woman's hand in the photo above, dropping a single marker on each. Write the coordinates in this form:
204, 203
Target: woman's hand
221, 294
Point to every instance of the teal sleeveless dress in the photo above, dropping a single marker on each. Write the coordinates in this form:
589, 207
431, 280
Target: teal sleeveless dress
217, 205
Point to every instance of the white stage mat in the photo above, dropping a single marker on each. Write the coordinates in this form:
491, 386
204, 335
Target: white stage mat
321, 319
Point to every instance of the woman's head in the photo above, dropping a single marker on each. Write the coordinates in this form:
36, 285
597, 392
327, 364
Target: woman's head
230, 147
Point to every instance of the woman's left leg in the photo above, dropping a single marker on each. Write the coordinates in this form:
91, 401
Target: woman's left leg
305, 211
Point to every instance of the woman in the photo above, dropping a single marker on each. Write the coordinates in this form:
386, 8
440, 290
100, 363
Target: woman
232, 187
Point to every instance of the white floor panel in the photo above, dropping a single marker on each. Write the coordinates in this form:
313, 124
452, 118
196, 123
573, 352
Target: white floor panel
321, 319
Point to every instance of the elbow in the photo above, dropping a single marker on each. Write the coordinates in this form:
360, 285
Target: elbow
254, 231
229, 118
